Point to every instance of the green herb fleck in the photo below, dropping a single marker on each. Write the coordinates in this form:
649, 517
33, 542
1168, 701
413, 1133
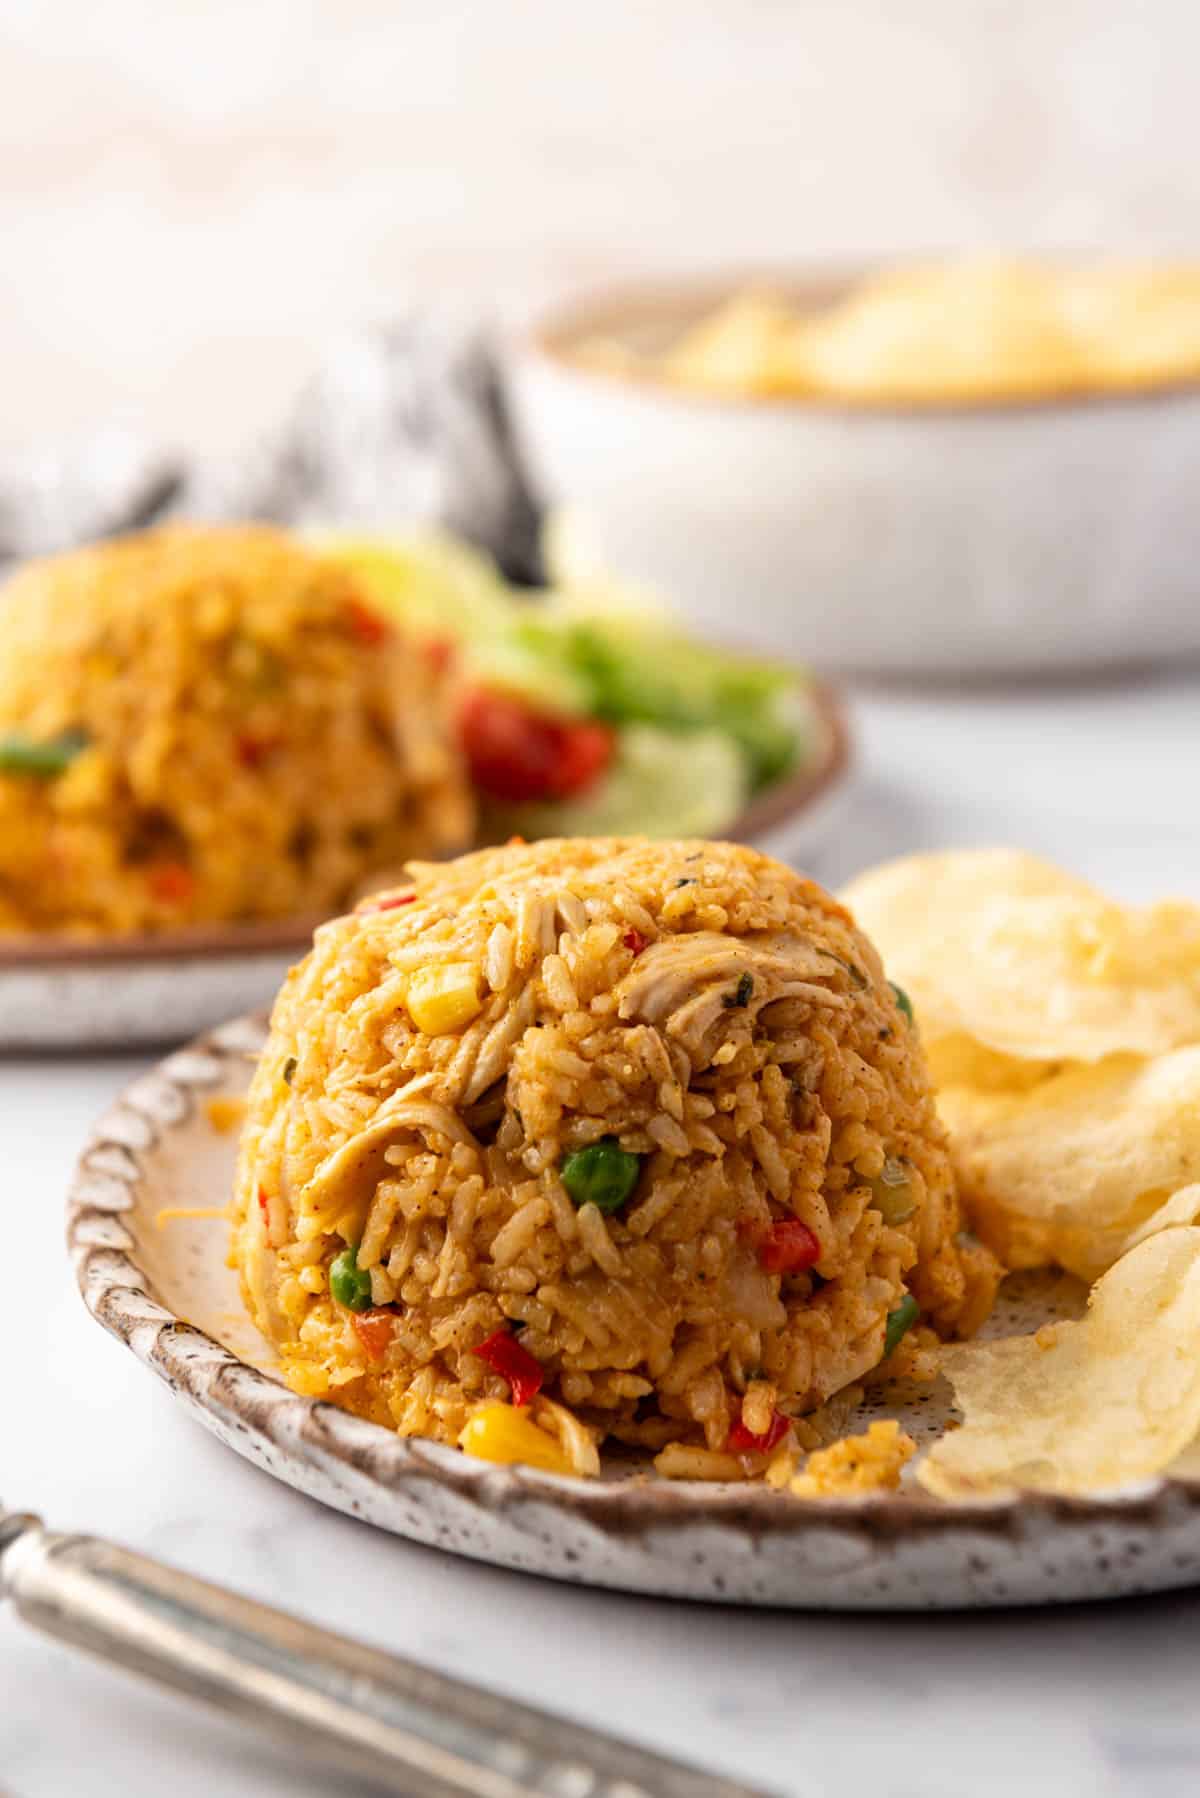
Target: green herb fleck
899, 1323
740, 996
22, 754
289, 1070
903, 1002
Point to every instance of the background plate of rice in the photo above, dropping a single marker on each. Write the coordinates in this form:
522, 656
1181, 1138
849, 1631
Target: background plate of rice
163, 1287
73, 993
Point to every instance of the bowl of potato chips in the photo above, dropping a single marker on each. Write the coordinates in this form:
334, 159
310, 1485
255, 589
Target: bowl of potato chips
976, 467
1062, 1031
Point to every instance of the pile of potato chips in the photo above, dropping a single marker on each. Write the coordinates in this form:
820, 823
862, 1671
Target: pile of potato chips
988, 329
1063, 1034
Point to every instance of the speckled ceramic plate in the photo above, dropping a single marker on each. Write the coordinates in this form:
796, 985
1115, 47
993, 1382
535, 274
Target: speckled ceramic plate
57, 994
167, 1293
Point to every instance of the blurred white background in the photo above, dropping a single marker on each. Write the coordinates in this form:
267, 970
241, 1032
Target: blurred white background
191, 194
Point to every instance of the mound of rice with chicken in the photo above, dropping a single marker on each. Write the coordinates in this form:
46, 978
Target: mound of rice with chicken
598, 1139
209, 724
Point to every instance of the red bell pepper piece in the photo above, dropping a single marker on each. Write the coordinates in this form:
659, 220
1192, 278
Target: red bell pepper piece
171, 883
504, 1354
374, 1331
744, 1442
633, 939
251, 750
788, 1247
366, 625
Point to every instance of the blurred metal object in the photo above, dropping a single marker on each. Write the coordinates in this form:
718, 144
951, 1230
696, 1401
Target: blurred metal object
369, 1714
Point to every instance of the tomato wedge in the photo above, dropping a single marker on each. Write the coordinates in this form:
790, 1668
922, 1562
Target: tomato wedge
517, 754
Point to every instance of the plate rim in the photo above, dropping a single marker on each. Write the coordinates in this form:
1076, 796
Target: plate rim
121, 1298
780, 804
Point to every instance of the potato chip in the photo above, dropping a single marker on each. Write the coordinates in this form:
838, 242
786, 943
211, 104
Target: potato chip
736, 348
1082, 1407
973, 330
1029, 963
1088, 1162
1140, 325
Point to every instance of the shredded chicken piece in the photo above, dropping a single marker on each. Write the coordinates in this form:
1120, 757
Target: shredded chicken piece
346, 1180
690, 984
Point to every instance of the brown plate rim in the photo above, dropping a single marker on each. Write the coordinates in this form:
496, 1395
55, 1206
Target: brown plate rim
782, 802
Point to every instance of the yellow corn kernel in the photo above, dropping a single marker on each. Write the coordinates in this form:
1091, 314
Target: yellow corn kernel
305, 1377
225, 1114
444, 998
499, 1432
312, 1279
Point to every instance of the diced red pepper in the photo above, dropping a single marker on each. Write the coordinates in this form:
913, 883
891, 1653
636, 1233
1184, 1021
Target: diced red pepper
374, 1331
252, 750
744, 1442
504, 1354
367, 625
391, 904
171, 883
633, 939
515, 753
264, 1205
788, 1248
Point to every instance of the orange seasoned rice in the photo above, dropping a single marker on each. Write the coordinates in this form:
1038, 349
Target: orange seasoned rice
716, 1013
250, 740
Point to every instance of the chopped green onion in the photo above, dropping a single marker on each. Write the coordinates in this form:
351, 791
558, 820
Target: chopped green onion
22, 754
604, 1175
892, 1193
348, 1283
899, 1323
857, 977
739, 998
903, 1002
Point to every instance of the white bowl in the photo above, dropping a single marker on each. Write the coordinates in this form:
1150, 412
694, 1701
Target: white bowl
999, 538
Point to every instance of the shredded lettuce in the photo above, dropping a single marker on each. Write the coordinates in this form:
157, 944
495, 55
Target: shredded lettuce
597, 648
660, 784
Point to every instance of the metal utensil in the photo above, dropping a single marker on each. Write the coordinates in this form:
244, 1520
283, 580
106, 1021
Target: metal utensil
404, 1726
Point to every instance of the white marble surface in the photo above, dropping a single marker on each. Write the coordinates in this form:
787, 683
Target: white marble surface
1082, 1703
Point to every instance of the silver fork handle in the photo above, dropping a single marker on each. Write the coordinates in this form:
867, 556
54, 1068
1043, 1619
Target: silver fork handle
368, 1713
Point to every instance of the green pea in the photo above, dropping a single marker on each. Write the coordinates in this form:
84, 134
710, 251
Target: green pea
899, 1323
892, 1193
604, 1175
21, 754
903, 1002
348, 1283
